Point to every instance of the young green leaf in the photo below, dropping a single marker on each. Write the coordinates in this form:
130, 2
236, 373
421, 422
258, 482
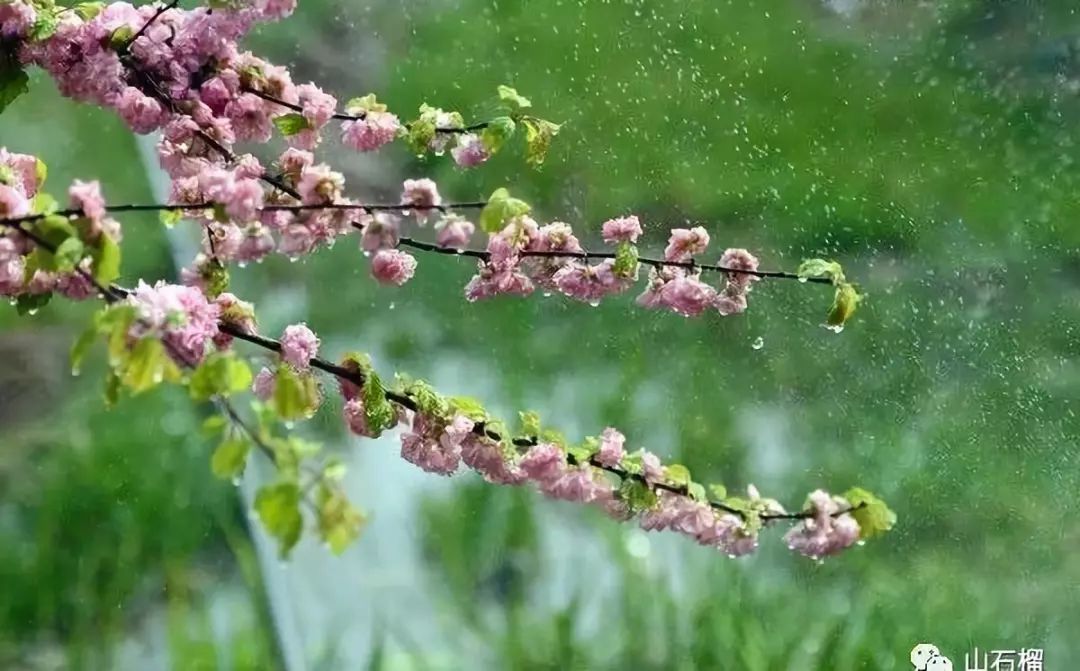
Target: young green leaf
538, 136
278, 506
106, 260
291, 124
147, 366
220, 374
69, 254
512, 100
626, 260
230, 457
378, 412
29, 304
500, 208
873, 516
339, 521
498, 131
296, 394
844, 303
821, 268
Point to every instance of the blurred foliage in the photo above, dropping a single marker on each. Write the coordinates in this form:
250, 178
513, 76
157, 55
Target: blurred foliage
930, 147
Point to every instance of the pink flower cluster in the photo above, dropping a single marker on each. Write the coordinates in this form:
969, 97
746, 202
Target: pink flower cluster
180, 316
825, 533
18, 187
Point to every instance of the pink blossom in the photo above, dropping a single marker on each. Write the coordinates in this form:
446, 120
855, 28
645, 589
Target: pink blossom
250, 118
16, 19
275, 9
11, 268
380, 232
470, 151
299, 345
588, 283
139, 111
318, 105
356, 419
823, 533
730, 303
433, 445
371, 132
651, 467
12, 203
86, 196
611, 447
485, 456
263, 386
740, 259
25, 168
320, 185
454, 231
236, 313
293, 161
423, 195
179, 314
674, 289
543, 462
257, 242
685, 243
623, 229
575, 484
393, 266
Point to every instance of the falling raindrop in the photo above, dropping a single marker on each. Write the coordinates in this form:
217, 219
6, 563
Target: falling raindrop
835, 328
758, 343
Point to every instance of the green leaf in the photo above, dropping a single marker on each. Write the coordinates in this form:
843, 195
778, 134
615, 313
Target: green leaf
420, 134
111, 393
498, 131
220, 374
291, 124
500, 208
428, 401
81, 346
697, 492
821, 268
230, 457
106, 260
378, 412
844, 303
115, 321
89, 10
13, 82
214, 425
538, 136
278, 506
120, 38
469, 407
29, 304
296, 394
584, 452
677, 475
43, 203
637, 495
339, 521
718, 492
512, 99
364, 104
147, 366
41, 173
170, 217
530, 422
44, 25
626, 260
873, 516
69, 254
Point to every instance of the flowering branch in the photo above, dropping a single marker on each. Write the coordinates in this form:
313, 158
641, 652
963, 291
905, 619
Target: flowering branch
181, 73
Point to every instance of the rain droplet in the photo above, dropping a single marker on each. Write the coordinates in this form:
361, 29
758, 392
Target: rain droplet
236, 482
32, 311
758, 343
392, 305
804, 280
594, 303
835, 328
367, 254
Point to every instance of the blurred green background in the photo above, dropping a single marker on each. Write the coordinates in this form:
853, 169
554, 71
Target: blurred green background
930, 147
